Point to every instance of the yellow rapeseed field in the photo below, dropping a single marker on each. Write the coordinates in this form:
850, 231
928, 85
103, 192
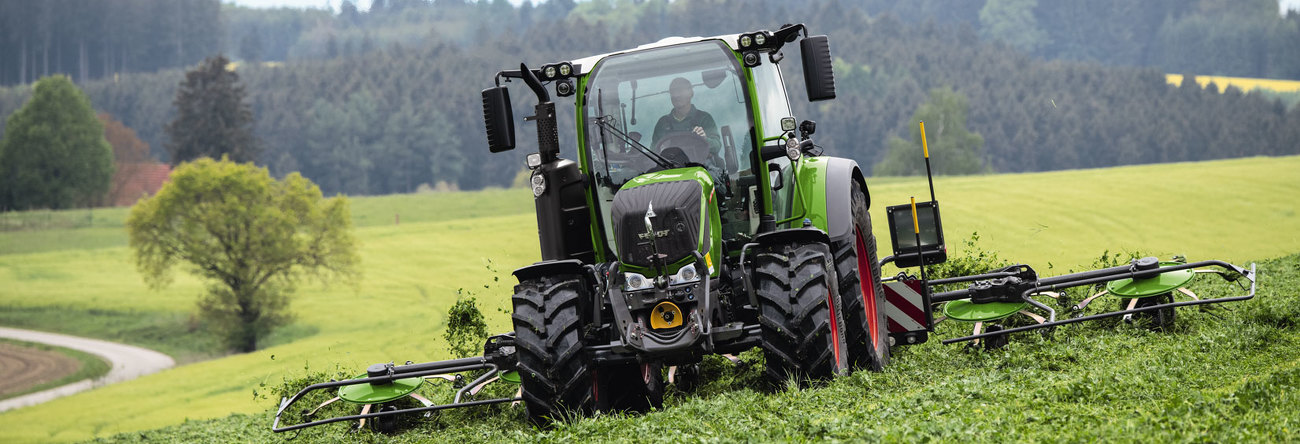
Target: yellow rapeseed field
1244, 83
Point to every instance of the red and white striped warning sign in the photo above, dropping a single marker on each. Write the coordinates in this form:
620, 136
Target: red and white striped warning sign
906, 306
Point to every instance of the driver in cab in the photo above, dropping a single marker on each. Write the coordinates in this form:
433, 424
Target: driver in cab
686, 118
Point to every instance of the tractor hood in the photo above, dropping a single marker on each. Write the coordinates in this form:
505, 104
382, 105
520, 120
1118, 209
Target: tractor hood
679, 205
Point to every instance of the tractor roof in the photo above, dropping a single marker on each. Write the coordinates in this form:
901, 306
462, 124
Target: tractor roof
585, 64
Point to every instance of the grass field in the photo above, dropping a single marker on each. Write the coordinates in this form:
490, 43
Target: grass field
1231, 376
467, 243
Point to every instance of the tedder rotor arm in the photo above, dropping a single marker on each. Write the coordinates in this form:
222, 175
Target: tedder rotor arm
1107, 275
498, 356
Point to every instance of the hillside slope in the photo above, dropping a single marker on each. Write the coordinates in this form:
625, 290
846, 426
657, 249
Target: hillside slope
1237, 210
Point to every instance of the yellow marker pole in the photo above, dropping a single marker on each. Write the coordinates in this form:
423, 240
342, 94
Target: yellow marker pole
925, 147
920, 255
916, 227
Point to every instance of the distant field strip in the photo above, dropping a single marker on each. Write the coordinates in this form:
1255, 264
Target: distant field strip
1244, 83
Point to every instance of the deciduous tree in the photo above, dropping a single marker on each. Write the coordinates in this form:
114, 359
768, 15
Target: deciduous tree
252, 238
53, 154
129, 156
961, 151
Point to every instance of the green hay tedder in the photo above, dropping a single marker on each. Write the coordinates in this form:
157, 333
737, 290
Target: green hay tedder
699, 218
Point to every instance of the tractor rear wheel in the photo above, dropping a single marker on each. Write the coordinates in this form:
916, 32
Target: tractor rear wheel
866, 327
555, 376
636, 388
799, 313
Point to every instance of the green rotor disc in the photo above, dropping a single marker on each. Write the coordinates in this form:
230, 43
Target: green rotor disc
965, 310
510, 376
1152, 286
374, 394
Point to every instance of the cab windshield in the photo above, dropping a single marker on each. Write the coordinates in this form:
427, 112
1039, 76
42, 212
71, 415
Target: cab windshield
670, 107
684, 100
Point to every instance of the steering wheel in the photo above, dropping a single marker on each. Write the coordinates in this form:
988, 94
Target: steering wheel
695, 148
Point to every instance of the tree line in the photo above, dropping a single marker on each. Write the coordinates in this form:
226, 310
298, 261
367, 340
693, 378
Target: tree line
96, 39
406, 111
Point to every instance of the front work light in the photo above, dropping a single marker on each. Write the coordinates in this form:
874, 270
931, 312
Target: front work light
684, 275
566, 69
564, 87
635, 281
539, 185
745, 41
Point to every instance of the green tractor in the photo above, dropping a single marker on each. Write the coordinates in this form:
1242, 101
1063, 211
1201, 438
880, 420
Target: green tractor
695, 221
700, 219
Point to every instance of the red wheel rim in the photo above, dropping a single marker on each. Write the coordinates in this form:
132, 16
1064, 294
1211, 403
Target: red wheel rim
865, 281
835, 328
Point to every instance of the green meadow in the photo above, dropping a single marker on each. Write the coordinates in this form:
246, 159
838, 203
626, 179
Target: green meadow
73, 273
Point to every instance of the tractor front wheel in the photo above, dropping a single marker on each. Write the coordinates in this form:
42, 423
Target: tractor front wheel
799, 313
555, 376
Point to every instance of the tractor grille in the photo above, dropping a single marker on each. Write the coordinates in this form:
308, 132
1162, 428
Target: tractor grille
676, 221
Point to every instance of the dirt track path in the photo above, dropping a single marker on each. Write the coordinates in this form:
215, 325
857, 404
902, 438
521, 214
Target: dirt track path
127, 362
22, 367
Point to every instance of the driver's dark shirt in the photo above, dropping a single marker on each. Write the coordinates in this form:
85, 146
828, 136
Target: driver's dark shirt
669, 124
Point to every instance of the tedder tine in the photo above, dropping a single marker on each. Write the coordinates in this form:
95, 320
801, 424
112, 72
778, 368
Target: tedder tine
1085, 302
362, 422
1189, 293
322, 405
422, 399
1132, 303
1033, 316
477, 388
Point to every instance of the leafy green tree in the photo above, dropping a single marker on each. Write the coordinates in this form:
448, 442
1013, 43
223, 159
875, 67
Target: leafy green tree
212, 119
250, 236
953, 149
53, 154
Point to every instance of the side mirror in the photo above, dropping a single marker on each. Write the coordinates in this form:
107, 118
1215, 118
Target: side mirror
498, 119
817, 74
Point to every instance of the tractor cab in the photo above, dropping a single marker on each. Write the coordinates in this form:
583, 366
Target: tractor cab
632, 127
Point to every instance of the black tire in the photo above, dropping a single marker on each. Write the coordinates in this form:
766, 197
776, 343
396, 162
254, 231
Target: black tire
630, 388
862, 315
1155, 319
800, 329
555, 375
